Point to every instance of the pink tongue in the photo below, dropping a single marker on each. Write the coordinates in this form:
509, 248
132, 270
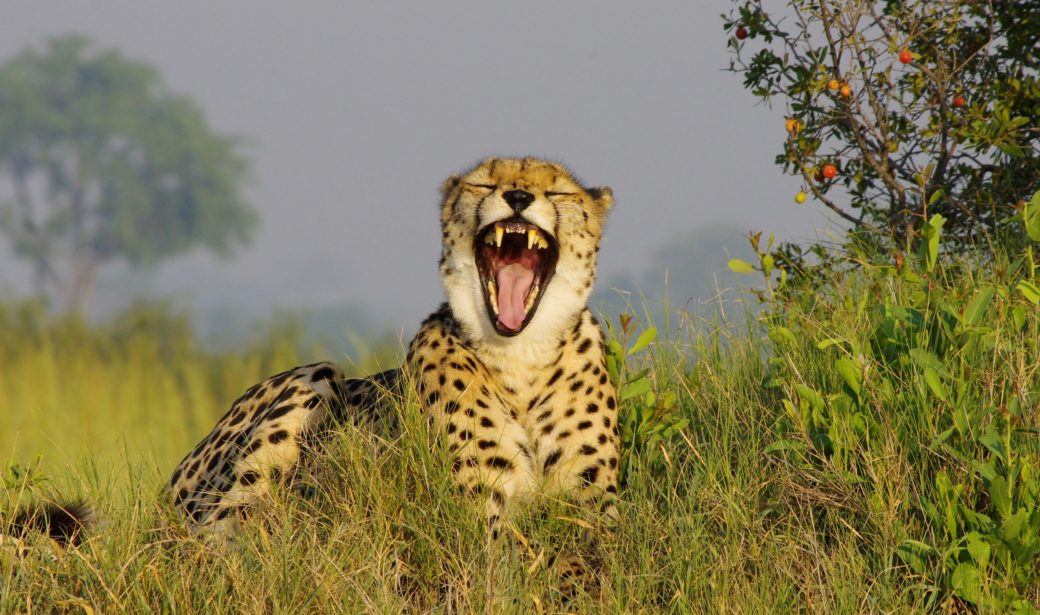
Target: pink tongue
514, 281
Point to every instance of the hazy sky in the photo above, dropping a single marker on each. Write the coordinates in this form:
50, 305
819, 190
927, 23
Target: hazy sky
356, 111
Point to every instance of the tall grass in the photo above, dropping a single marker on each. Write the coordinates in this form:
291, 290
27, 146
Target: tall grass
138, 391
868, 445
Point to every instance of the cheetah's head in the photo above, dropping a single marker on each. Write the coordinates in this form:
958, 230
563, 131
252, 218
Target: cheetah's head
520, 238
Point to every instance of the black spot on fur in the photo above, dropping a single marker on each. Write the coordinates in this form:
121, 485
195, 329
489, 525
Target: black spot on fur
551, 460
279, 412
592, 408
459, 384
585, 345
589, 474
587, 450
486, 422
325, 373
486, 444
556, 376
499, 462
584, 425
278, 436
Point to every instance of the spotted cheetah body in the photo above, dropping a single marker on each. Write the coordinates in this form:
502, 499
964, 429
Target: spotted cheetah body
511, 368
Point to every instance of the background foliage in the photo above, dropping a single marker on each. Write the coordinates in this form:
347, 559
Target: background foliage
103, 164
899, 110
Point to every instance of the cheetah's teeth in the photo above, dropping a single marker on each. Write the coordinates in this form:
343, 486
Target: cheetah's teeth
531, 297
489, 239
532, 237
494, 296
500, 231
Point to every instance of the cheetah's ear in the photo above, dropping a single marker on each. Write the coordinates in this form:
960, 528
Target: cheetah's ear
603, 196
449, 184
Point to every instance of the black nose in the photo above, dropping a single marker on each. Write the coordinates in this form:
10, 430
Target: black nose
518, 199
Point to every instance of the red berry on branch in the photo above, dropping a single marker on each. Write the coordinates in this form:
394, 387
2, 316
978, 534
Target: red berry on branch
905, 57
741, 33
829, 171
958, 101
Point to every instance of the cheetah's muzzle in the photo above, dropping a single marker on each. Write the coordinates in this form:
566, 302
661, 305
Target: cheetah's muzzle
516, 260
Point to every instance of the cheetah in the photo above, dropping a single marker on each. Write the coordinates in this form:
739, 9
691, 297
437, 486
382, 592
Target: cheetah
511, 369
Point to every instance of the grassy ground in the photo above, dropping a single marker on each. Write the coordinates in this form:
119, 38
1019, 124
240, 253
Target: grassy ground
866, 445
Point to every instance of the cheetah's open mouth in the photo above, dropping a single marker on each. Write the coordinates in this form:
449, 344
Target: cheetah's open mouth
515, 259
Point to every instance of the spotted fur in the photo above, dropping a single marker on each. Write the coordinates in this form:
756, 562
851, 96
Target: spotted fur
523, 415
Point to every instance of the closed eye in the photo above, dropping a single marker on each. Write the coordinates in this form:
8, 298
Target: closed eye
552, 194
484, 186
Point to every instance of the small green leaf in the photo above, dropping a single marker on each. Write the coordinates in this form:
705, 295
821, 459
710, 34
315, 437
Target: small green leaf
931, 378
942, 437
1012, 526
851, 374
960, 421
978, 306
938, 194
781, 334
927, 359
932, 234
1018, 316
739, 266
985, 470
767, 264
994, 442
1000, 495
966, 584
1031, 217
1030, 291
645, 338
978, 548
827, 343
635, 388
809, 396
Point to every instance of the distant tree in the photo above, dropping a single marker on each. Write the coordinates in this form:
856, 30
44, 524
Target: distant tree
100, 163
898, 110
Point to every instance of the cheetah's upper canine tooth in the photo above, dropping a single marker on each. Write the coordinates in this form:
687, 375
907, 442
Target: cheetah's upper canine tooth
532, 237
499, 232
